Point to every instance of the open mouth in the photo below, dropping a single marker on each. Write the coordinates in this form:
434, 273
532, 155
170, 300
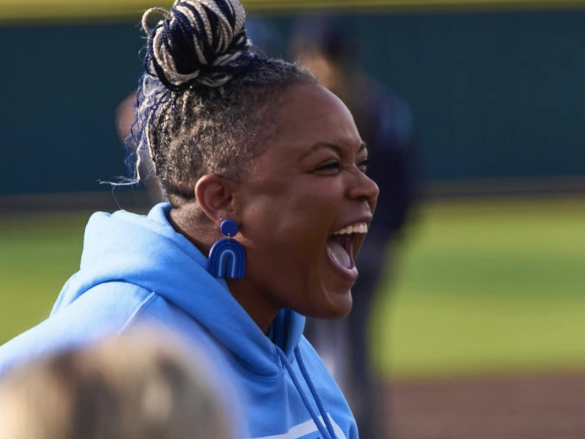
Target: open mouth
340, 249
340, 245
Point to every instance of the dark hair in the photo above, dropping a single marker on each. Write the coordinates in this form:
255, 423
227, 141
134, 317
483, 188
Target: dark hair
205, 99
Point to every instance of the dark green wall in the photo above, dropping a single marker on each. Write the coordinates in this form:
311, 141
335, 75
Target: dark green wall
61, 86
494, 95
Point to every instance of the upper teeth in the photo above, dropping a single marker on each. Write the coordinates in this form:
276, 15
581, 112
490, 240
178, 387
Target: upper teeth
356, 228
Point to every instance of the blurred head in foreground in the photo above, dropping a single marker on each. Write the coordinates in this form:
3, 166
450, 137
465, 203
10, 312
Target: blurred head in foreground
135, 386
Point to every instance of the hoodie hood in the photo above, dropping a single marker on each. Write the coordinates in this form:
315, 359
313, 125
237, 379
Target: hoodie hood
148, 252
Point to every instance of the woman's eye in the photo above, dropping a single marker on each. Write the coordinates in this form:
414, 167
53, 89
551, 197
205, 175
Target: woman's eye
330, 167
363, 165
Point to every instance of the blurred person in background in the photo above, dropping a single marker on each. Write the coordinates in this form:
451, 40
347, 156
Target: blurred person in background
269, 203
140, 385
325, 46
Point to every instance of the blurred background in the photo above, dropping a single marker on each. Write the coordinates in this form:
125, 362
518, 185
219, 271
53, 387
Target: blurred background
480, 325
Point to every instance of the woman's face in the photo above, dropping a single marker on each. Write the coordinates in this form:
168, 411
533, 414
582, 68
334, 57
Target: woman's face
306, 205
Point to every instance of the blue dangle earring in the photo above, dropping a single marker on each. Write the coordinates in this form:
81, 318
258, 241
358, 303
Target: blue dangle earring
227, 257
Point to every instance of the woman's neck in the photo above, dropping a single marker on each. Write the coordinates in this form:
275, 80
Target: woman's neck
254, 302
249, 297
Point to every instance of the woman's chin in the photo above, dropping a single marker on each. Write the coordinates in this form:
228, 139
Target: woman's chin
336, 305
338, 312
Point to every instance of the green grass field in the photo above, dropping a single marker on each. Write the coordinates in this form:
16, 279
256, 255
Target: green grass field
484, 287
489, 287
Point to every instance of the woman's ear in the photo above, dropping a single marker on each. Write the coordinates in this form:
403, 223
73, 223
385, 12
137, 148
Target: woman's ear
215, 195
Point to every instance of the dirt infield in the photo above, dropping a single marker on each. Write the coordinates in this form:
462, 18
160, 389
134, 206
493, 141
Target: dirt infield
495, 408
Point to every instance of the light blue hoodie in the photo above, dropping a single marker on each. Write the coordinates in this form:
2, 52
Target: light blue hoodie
136, 269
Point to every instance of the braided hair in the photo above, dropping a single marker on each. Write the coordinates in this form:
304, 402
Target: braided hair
205, 99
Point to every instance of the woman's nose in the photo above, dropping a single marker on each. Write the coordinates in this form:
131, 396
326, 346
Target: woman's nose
364, 189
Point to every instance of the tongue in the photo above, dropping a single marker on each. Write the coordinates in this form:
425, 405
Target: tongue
338, 253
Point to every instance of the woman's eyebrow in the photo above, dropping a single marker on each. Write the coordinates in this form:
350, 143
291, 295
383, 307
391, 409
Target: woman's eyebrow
320, 145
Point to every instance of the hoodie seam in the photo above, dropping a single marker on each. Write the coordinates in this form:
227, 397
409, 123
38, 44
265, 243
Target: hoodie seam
261, 378
141, 307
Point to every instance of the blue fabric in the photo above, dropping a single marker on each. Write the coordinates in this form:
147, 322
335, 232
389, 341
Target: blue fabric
136, 269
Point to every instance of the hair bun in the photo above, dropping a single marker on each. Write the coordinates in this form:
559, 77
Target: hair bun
197, 41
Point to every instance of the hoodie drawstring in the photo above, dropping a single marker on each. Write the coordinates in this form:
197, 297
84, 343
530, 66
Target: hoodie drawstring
316, 396
328, 433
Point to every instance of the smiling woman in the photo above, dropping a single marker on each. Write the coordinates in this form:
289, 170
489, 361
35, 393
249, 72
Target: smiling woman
258, 161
